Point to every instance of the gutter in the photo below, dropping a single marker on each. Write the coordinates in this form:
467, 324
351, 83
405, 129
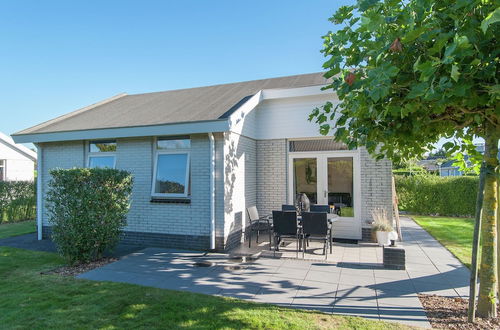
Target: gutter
39, 191
212, 191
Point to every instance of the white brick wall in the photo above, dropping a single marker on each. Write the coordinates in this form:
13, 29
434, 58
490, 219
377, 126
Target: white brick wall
59, 155
376, 185
271, 175
136, 155
240, 180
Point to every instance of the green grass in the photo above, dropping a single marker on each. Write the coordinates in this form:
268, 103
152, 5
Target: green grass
34, 301
454, 233
17, 228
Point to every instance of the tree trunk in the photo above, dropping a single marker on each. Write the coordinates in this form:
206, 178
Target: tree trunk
486, 307
476, 248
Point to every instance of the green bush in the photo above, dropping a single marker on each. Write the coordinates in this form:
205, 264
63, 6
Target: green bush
435, 195
17, 201
87, 209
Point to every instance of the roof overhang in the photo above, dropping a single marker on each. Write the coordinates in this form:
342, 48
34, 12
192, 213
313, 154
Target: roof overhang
123, 132
223, 124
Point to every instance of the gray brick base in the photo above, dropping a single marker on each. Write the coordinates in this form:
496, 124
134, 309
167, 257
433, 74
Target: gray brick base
46, 232
366, 235
189, 242
394, 257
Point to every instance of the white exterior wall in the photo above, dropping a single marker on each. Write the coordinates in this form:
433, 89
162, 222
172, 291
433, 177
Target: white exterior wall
18, 167
240, 187
59, 155
273, 123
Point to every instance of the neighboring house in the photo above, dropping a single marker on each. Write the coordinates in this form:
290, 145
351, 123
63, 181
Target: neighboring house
447, 169
17, 163
201, 156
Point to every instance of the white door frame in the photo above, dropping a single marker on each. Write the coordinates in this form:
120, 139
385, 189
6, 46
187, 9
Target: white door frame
322, 184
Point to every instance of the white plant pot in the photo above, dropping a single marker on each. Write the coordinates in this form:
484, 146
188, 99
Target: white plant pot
383, 238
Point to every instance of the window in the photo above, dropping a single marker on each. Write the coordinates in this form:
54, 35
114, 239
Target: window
2, 170
102, 154
171, 168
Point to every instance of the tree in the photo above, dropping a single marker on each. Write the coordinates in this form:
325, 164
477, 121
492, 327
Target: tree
408, 73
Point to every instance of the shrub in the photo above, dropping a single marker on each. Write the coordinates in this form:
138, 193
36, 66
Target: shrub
434, 195
87, 209
17, 201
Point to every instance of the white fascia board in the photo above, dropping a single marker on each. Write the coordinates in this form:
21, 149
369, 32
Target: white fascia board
124, 132
269, 94
237, 118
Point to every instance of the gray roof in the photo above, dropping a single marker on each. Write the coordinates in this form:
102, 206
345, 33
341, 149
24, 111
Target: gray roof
175, 106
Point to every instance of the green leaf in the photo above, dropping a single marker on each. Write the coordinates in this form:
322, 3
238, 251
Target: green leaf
418, 90
454, 72
414, 34
493, 17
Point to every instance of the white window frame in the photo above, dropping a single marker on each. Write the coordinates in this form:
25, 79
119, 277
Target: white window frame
4, 167
157, 153
100, 153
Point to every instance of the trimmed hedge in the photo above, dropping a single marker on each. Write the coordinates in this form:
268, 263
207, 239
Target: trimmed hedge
17, 201
87, 209
435, 195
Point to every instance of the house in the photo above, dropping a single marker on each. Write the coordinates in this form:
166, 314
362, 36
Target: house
448, 168
200, 156
17, 163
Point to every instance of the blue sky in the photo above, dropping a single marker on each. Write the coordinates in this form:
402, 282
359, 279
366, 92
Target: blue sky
57, 56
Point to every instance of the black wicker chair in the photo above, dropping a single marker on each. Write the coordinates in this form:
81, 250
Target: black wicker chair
315, 227
286, 207
285, 226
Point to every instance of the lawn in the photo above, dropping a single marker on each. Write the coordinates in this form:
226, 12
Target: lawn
31, 300
454, 233
17, 228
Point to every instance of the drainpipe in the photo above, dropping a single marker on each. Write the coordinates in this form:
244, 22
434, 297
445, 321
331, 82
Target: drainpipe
39, 191
212, 191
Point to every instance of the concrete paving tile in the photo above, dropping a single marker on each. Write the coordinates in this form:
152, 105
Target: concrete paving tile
322, 267
355, 292
298, 264
296, 273
349, 279
320, 276
381, 274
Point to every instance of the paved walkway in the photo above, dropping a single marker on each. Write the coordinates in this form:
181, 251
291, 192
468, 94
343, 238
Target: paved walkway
354, 285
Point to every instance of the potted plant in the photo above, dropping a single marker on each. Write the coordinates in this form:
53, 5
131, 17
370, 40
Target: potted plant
382, 226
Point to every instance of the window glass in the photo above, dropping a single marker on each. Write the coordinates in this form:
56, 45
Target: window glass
102, 162
171, 174
102, 146
305, 171
170, 144
340, 185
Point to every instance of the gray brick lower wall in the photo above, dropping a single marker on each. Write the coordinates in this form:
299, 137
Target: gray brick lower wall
367, 235
188, 242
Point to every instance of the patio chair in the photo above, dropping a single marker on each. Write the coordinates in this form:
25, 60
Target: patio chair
315, 227
285, 226
256, 223
320, 208
286, 207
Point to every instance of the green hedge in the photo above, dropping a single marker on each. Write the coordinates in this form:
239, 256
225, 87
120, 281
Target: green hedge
87, 209
435, 195
17, 201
